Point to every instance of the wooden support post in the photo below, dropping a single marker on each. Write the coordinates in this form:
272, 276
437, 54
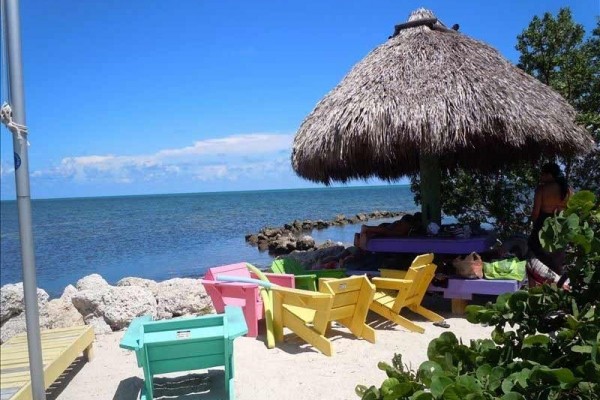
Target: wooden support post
431, 179
458, 306
88, 353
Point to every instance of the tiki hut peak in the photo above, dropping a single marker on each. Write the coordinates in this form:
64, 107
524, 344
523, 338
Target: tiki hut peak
432, 97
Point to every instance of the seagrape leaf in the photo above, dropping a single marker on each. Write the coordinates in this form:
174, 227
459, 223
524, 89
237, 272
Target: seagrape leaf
483, 371
507, 385
455, 392
496, 377
382, 365
512, 396
498, 335
439, 384
582, 349
523, 377
387, 387
469, 383
563, 375
398, 391
536, 340
421, 395
581, 203
442, 345
428, 369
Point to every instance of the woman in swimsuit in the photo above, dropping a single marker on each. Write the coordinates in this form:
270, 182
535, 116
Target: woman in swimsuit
551, 197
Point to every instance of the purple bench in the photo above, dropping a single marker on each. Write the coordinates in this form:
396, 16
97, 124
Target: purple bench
426, 244
462, 290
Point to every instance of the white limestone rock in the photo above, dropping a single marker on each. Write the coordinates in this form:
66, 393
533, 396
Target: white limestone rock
68, 293
140, 282
91, 282
13, 327
59, 313
182, 296
12, 301
117, 306
100, 326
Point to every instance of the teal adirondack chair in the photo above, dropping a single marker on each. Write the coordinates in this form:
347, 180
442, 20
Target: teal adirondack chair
305, 279
185, 344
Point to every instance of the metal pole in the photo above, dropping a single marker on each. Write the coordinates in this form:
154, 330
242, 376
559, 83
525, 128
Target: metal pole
17, 102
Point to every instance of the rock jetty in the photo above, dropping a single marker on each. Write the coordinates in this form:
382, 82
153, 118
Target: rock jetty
294, 235
93, 301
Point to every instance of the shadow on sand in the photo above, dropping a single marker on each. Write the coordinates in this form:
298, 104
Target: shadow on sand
197, 386
64, 379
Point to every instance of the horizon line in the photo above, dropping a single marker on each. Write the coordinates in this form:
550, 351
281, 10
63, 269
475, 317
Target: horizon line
211, 192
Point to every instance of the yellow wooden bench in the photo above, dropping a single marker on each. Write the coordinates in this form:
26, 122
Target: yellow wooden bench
60, 347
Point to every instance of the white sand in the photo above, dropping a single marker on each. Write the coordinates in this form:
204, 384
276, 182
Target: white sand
293, 370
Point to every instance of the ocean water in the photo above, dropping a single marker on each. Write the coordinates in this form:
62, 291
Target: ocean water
180, 235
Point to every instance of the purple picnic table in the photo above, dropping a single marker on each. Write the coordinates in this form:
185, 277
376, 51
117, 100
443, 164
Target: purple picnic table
428, 244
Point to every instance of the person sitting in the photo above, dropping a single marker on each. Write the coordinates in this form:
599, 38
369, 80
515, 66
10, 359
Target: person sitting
551, 196
539, 273
402, 227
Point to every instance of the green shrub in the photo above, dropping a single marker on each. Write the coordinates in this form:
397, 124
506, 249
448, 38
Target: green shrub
544, 344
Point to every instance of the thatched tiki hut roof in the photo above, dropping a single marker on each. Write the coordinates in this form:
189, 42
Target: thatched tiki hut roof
434, 91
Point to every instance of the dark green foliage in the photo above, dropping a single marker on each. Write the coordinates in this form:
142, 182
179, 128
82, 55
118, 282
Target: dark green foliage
553, 50
544, 344
503, 199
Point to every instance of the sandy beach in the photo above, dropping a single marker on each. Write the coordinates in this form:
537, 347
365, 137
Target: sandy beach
293, 370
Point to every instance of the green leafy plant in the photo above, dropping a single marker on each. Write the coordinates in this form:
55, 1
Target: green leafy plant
544, 344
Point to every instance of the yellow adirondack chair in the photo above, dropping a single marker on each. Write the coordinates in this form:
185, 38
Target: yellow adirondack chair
393, 295
309, 314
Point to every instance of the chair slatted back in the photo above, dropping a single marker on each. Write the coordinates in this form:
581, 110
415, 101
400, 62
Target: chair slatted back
421, 273
238, 269
185, 344
352, 298
287, 266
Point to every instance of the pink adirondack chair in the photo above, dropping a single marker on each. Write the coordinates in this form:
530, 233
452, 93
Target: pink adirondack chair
245, 295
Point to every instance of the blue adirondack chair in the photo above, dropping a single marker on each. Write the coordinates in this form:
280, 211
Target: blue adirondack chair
185, 344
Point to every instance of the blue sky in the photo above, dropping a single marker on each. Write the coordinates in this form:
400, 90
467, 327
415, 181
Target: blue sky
139, 97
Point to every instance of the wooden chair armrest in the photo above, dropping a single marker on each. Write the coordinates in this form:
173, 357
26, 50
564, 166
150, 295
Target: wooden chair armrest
390, 283
218, 284
130, 339
306, 276
236, 323
392, 273
301, 298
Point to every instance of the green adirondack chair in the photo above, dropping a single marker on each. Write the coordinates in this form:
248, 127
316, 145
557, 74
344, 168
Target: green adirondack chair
185, 344
305, 279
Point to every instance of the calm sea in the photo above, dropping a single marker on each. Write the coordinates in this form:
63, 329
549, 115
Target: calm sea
164, 236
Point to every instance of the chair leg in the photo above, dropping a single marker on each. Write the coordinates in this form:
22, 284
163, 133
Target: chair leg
430, 315
88, 353
360, 330
396, 318
148, 383
367, 333
310, 336
250, 316
228, 378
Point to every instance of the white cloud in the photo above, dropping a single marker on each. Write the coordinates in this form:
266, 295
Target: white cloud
6, 169
205, 160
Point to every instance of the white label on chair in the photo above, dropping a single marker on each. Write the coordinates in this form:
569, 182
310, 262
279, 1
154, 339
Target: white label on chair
183, 334
343, 286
